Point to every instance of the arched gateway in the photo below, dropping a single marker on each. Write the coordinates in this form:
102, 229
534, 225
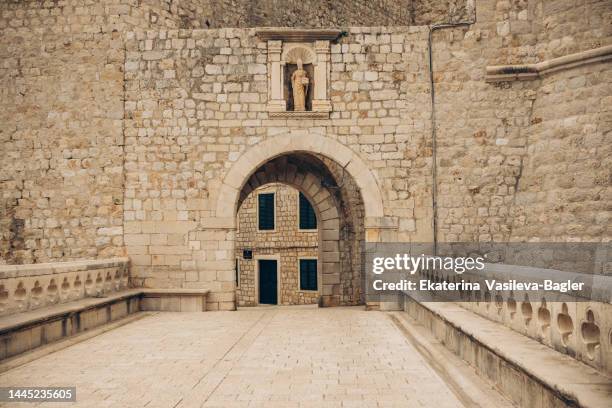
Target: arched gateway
343, 191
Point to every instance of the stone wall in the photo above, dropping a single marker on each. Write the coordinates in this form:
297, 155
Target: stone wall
539, 29
61, 126
525, 159
352, 234
541, 147
61, 131
196, 102
115, 138
311, 13
286, 241
566, 185
565, 190
300, 13
175, 13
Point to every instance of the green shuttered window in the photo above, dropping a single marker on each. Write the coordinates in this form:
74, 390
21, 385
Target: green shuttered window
266, 211
308, 274
308, 219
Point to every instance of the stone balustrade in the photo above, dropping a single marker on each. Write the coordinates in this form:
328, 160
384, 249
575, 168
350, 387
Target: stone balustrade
568, 323
29, 287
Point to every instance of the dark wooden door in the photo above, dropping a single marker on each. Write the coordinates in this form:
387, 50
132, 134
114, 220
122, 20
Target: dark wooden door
268, 284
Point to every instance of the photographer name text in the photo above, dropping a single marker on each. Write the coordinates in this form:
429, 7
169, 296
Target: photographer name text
514, 285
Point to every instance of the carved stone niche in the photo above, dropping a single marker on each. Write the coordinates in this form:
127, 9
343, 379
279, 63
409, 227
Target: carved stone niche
285, 48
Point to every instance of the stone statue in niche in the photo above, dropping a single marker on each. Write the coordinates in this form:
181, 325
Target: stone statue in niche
299, 85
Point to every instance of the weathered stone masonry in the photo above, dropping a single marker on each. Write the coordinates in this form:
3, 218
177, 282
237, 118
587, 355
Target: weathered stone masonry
62, 84
509, 153
120, 137
138, 127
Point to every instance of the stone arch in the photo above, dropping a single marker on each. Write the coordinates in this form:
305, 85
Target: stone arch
295, 142
303, 181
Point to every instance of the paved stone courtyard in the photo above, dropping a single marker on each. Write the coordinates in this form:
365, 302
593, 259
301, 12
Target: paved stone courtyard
273, 357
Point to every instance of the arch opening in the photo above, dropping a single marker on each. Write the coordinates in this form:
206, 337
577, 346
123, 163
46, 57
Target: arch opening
337, 244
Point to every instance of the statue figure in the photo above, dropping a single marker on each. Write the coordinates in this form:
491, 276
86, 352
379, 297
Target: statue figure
299, 84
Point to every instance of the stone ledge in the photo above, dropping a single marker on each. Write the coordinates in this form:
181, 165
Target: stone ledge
49, 314
25, 319
175, 292
382, 222
15, 271
43, 350
528, 72
174, 300
459, 376
528, 372
296, 115
25, 331
297, 35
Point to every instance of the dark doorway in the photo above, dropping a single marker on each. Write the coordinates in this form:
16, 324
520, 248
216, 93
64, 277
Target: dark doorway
268, 284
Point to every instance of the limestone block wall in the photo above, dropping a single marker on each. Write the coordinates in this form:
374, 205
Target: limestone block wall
118, 139
352, 234
501, 152
539, 29
61, 132
563, 180
480, 143
309, 13
286, 241
61, 126
175, 13
566, 186
429, 12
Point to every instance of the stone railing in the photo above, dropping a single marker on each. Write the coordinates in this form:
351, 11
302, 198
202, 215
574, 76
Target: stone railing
568, 323
28, 287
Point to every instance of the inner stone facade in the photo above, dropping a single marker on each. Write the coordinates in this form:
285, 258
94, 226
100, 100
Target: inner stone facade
338, 207
286, 242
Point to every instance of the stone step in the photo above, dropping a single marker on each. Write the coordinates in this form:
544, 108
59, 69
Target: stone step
459, 376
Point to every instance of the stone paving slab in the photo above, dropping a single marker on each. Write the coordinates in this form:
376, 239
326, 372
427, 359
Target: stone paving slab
285, 357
